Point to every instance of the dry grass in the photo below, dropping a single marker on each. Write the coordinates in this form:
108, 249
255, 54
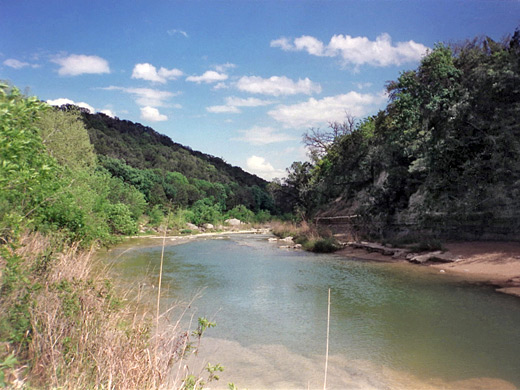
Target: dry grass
312, 238
81, 334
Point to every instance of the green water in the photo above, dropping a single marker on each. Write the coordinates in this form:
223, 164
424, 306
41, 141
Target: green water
271, 303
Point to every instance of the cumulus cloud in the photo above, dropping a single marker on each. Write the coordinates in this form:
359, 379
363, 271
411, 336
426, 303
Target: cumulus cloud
16, 64
61, 101
315, 112
208, 77
149, 72
357, 50
152, 114
145, 96
277, 85
262, 168
77, 64
108, 112
263, 136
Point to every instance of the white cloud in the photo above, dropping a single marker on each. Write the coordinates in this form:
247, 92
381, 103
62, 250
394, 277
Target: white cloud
283, 43
108, 112
277, 85
262, 168
146, 96
224, 67
263, 136
149, 72
232, 104
220, 86
61, 101
249, 102
77, 64
315, 112
208, 77
357, 50
223, 109
363, 85
152, 114
310, 44
175, 31
16, 64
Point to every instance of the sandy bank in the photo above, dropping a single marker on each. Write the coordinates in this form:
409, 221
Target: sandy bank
494, 263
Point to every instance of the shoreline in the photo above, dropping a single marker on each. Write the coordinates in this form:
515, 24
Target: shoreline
484, 262
492, 263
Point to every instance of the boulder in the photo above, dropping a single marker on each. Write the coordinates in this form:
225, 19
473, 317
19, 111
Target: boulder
437, 257
208, 226
233, 222
287, 239
192, 226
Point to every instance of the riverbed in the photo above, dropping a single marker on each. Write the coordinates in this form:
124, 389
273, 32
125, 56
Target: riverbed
391, 326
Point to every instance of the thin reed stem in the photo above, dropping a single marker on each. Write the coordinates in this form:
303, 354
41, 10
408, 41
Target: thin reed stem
327, 348
157, 314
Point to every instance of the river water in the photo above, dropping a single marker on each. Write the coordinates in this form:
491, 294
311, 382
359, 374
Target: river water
392, 326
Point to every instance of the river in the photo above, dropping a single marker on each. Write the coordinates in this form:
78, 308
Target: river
392, 326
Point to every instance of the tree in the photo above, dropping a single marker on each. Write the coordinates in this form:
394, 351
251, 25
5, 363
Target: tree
319, 142
66, 138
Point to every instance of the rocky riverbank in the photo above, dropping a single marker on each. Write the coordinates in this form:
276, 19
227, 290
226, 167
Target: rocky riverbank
488, 262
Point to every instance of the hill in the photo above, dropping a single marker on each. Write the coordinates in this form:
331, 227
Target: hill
144, 148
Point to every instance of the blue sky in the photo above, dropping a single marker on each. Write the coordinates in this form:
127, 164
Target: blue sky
241, 80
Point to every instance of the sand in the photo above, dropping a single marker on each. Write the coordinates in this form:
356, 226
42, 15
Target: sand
491, 262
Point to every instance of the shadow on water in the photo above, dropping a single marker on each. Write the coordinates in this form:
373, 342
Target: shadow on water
387, 321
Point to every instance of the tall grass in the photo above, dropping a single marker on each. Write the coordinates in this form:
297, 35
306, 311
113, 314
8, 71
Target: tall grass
69, 328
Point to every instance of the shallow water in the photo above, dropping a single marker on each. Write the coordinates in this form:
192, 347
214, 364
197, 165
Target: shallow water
392, 326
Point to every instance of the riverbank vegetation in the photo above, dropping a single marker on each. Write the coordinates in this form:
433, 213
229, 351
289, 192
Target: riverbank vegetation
310, 237
62, 324
441, 160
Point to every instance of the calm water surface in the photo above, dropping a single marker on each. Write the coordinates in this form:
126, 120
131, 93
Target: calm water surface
392, 326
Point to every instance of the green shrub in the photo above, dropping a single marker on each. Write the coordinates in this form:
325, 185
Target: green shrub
241, 213
120, 219
323, 245
156, 215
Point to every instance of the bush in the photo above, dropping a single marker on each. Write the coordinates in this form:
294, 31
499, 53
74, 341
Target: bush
323, 245
155, 215
206, 211
120, 219
241, 213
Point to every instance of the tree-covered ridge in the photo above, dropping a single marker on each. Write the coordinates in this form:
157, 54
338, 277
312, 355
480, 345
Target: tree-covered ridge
144, 148
443, 157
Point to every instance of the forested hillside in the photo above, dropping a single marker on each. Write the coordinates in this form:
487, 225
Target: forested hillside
142, 147
442, 159
169, 174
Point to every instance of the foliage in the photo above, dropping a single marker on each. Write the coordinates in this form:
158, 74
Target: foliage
206, 211
167, 172
242, 213
443, 157
66, 139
